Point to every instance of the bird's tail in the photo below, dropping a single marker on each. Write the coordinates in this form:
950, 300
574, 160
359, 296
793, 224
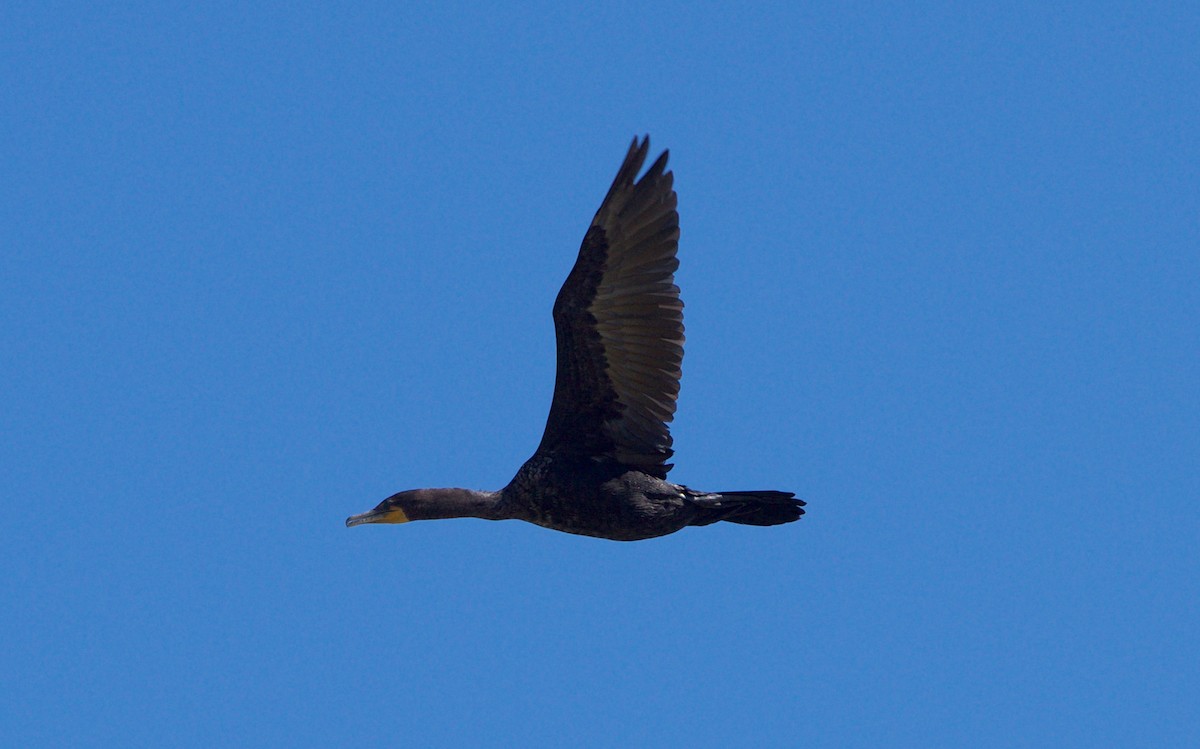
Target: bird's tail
752, 507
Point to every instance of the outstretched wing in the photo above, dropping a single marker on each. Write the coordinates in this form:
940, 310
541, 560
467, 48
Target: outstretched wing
619, 324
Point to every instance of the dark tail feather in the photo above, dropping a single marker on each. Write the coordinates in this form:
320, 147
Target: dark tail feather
757, 508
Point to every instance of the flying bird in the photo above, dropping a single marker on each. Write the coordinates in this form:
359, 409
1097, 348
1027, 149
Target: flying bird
601, 468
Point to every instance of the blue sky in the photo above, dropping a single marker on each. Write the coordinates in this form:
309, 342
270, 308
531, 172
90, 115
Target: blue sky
260, 267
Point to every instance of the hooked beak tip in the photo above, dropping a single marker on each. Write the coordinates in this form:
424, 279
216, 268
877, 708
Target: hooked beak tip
354, 520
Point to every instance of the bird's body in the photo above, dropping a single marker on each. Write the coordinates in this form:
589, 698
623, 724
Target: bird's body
601, 468
595, 498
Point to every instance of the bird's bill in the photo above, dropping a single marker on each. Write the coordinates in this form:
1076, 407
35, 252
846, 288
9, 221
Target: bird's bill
378, 515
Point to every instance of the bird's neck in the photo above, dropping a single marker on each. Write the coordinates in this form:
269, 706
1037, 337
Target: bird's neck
438, 504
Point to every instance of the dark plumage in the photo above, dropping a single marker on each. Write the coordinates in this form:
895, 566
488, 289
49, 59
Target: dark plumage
601, 467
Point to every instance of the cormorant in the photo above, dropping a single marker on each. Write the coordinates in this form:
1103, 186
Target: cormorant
601, 467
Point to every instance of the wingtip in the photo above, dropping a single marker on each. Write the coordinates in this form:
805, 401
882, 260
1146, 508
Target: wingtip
642, 152
659, 167
636, 158
639, 147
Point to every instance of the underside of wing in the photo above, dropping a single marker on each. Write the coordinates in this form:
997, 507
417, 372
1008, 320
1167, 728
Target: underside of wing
619, 325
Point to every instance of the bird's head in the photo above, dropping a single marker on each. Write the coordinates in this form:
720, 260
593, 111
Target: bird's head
394, 509
430, 504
